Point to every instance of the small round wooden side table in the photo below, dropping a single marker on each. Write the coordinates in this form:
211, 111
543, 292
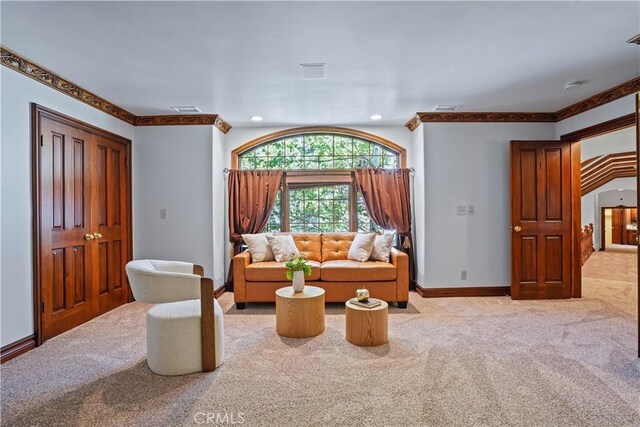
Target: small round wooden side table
367, 327
300, 315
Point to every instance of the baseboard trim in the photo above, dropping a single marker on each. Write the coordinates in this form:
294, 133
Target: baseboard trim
17, 348
482, 291
218, 292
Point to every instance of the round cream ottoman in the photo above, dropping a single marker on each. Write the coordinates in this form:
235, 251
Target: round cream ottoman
173, 337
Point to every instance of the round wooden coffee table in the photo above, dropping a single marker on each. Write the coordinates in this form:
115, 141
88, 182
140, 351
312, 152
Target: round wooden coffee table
300, 315
367, 327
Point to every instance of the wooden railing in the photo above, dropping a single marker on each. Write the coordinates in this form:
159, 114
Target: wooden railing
586, 246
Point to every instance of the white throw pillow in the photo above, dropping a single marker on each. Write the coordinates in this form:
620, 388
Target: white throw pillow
258, 247
361, 247
283, 247
382, 247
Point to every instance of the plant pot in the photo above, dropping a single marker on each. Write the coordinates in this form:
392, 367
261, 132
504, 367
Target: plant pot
298, 281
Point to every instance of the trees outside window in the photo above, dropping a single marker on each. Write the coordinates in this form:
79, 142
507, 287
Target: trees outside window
319, 193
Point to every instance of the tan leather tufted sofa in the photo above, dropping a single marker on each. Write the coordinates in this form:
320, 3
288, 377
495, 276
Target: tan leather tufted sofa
330, 270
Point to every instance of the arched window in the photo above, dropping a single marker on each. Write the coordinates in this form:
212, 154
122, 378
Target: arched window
319, 188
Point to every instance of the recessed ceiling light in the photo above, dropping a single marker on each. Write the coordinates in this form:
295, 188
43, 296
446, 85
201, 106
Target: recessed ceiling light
573, 85
256, 118
446, 107
620, 189
186, 109
376, 117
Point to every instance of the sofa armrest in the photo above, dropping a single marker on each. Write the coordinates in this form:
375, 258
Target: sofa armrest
240, 262
401, 262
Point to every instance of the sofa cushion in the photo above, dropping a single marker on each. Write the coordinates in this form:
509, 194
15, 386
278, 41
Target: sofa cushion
335, 246
272, 271
310, 244
361, 247
283, 247
259, 247
354, 271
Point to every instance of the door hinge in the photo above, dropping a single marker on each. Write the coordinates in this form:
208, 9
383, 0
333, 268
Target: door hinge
42, 306
41, 140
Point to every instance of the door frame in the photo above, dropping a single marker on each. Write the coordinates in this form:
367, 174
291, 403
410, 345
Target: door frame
602, 230
574, 138
37, 113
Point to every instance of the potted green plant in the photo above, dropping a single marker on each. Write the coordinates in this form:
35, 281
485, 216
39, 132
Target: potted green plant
297, 268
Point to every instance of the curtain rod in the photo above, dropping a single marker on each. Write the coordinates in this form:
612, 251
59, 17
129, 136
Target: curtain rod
227, 170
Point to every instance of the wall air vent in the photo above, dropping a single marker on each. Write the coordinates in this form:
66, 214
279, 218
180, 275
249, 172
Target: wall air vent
187, 109
313, 71
446, 107
634, 40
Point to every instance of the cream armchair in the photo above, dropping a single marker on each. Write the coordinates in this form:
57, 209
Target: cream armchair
185, 329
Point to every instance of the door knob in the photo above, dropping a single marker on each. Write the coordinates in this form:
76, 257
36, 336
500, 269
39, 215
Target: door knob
89, 236
97, 235
517, 229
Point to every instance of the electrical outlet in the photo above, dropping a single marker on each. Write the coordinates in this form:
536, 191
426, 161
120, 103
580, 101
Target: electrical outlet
463, 275
462, 210
163, 214
470, 210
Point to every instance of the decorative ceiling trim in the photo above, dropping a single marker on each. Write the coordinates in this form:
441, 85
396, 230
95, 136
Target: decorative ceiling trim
37, 72
222, 125
597, 100
47, 77
413, 123
176, 119
610, 95
485, 117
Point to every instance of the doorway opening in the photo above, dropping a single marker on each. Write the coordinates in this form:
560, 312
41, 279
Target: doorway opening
619, 227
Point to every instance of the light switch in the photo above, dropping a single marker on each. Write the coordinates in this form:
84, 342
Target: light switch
462, 210
163, 214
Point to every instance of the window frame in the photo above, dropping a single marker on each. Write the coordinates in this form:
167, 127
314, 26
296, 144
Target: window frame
402, 153
318, 177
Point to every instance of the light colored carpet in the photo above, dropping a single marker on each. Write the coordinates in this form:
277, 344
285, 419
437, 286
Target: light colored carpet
450, 361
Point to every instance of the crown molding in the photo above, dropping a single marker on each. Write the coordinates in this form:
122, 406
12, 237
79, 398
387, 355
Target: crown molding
413, 123
176, 120
485, 117
37, 72
610, 95
597, 100
222, 125
47, 77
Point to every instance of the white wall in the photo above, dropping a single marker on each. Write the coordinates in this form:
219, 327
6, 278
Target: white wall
16, 285
468, 164
419, 225
173, 170
219, 206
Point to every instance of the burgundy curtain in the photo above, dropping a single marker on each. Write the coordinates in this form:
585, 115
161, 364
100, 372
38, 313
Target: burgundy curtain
252, 194
387, 197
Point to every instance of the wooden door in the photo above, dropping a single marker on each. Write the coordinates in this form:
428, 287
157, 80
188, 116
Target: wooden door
83, 214
111, 223
65, 220
616, 225
541, 219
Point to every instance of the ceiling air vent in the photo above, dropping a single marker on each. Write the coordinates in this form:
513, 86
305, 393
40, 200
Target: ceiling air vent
446, 107
186, 109
313, 71
634, 40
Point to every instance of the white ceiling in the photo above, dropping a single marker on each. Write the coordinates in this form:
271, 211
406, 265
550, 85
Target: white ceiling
240, 59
